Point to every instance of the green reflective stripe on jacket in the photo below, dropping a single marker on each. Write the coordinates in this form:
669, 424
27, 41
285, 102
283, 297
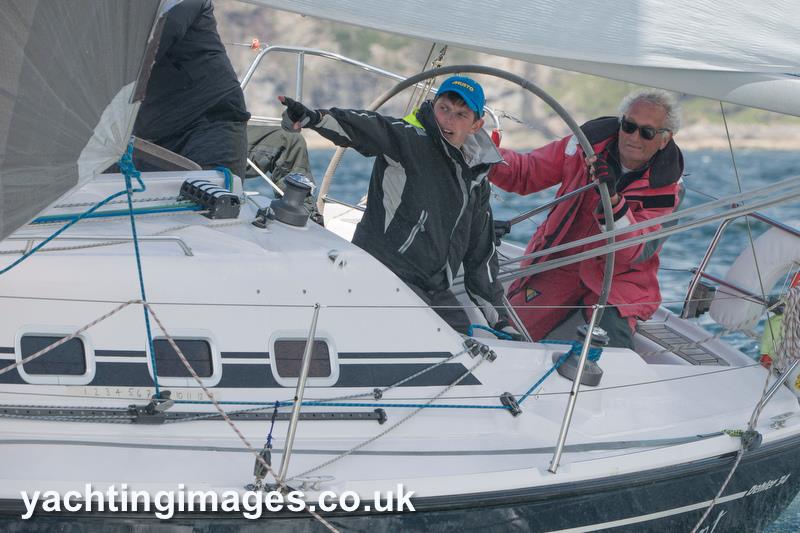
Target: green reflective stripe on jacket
412, 119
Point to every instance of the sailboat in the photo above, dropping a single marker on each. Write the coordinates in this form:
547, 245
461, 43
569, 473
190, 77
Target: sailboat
165, 348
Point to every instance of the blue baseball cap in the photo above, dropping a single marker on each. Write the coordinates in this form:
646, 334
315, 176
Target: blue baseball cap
468, 89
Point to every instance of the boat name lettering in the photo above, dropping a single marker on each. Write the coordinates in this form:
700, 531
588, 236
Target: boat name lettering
761, 487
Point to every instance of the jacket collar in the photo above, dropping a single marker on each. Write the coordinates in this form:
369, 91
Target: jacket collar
665, 168
478, 149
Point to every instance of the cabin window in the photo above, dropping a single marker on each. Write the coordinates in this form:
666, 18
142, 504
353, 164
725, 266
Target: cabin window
71, 363
197, 352
199, 349
289, 358
286, 361
69, 359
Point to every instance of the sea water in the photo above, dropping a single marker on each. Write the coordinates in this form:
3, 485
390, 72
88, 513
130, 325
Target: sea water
708, 175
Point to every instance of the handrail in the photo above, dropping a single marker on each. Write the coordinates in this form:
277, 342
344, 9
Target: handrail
302, 51
747, 295
772, 222
312, 52
147, 238
699, 272
712, 246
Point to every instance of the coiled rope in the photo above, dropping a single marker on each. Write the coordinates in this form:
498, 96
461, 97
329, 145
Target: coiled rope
788, 348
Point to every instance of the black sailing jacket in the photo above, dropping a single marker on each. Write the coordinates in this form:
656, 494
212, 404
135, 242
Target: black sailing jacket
428, 206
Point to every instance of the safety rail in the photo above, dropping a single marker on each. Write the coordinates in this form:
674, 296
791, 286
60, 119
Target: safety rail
699, 272
298, 396
31, 239
573, 393
302, 52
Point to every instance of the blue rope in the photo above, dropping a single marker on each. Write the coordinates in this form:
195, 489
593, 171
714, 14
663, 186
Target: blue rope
407, 405
108, 214
228, 176
546, 375
499, 334
346, 404
129, 170
86, 214
272, 425
593, 355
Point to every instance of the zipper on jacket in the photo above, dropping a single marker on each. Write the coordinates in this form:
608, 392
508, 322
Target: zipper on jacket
419, 226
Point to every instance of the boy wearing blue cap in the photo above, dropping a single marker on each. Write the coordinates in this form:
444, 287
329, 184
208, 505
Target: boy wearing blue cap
428, 209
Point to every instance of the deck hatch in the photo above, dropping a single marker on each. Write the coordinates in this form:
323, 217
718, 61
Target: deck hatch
682, 346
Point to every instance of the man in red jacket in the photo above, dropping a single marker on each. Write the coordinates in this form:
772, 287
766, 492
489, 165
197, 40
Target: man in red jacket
642, 166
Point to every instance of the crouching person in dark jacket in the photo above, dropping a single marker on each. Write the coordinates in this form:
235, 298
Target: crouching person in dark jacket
428, 209
194, 105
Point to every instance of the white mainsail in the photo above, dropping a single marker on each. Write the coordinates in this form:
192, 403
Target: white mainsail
740, 52
67, 75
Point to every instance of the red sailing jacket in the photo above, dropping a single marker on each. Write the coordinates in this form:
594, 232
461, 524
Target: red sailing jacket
653, 192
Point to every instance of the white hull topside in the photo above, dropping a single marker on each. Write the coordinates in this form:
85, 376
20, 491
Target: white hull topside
243, 287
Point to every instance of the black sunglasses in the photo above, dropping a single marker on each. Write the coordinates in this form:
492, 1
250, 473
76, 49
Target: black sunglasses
646, 132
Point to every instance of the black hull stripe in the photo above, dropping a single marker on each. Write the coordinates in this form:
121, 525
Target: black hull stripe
237, 376
265, 355
120, 353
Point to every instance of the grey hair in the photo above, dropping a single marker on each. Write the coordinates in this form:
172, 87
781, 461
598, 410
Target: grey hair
659, 98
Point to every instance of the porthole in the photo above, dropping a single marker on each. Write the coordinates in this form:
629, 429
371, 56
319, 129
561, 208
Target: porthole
196, 351
70, 363
286, 360
199, 349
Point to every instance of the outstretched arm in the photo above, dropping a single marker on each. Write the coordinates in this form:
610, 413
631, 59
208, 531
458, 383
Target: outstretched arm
368, 132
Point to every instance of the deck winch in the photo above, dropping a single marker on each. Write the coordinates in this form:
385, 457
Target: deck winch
290, 209
592, 373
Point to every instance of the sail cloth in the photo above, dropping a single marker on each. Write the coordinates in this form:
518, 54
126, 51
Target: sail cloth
68, 71
741, 52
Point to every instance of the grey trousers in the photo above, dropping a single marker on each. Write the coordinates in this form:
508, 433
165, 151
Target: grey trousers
616, 326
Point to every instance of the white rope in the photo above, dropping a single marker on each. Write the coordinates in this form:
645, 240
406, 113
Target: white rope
68, 338
188, 366
788, 348
227, 419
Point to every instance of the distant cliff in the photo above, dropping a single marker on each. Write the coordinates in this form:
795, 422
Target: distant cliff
526, 121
